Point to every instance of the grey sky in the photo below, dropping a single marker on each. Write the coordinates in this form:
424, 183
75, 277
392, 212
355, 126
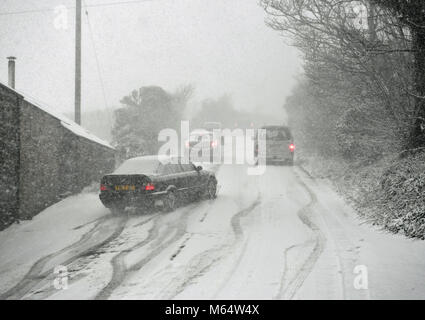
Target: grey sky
219, 46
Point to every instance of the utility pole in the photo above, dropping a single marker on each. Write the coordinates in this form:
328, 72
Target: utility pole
371, 22
78, 63
11, 68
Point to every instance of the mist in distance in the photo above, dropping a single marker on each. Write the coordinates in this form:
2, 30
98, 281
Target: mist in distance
219, 47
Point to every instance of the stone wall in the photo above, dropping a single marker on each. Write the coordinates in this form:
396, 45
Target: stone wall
41, 159
9, 155
44, 161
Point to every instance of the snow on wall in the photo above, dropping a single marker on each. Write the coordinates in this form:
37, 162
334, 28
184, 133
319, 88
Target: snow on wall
80, 131
54, 156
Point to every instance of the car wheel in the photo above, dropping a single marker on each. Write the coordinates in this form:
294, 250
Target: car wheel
170, 202
212, 189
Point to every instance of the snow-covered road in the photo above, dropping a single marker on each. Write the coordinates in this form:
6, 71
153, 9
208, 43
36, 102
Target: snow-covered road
281, 235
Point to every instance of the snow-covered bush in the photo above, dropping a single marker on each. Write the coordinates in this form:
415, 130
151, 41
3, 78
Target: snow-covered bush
403, 191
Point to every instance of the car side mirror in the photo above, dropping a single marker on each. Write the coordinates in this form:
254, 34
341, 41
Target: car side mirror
199, 168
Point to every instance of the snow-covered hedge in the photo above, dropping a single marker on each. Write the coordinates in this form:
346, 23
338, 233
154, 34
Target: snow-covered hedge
403, 191
389, 192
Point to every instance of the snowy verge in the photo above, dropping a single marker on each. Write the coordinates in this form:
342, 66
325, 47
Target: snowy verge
58, 226
395, 273
389, 192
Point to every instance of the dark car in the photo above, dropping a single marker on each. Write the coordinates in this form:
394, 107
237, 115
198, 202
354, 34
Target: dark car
142, 182
280, 148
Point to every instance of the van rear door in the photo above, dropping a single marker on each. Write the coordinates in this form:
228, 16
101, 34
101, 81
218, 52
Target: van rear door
278, 142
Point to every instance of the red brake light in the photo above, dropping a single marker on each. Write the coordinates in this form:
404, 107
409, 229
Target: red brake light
149, 187
292, 147
103, 187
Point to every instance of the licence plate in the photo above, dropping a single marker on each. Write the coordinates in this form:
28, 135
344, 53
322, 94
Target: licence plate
125, 188
277, 147
275, 151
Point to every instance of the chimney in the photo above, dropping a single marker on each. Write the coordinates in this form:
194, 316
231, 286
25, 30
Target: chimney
11, 72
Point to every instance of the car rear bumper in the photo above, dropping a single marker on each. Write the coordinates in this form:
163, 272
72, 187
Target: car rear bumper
111, 200
279, 157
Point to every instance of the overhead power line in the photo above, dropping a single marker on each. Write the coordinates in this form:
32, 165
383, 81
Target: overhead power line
105, 4
99, 70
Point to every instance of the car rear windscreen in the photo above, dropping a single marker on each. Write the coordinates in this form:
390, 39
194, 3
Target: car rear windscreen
138, 166
278, 134
210, 126
198, 137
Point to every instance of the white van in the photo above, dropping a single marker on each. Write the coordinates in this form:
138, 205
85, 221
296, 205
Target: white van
280, 148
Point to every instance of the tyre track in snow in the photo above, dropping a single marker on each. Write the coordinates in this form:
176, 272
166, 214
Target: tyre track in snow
289, 288
177, 280
343, 244
81, 263
106, 225
236, 219
118, 264
238, 231
338, 257
203, 261
121, 271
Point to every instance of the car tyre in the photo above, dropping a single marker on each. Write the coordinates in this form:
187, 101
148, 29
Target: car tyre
211, 189
169, 202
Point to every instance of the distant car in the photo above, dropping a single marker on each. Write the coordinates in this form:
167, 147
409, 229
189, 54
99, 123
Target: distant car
142, 182
280, 147
205, 143
210, 126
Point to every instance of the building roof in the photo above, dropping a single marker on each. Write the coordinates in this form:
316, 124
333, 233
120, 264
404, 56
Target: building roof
65, 121
161, 158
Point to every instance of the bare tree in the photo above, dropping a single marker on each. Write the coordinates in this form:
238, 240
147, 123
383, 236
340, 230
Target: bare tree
412, 14
357, 47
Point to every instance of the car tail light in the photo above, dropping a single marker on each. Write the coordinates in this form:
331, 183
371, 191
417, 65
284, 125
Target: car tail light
292, 147
103, 187
149, 187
